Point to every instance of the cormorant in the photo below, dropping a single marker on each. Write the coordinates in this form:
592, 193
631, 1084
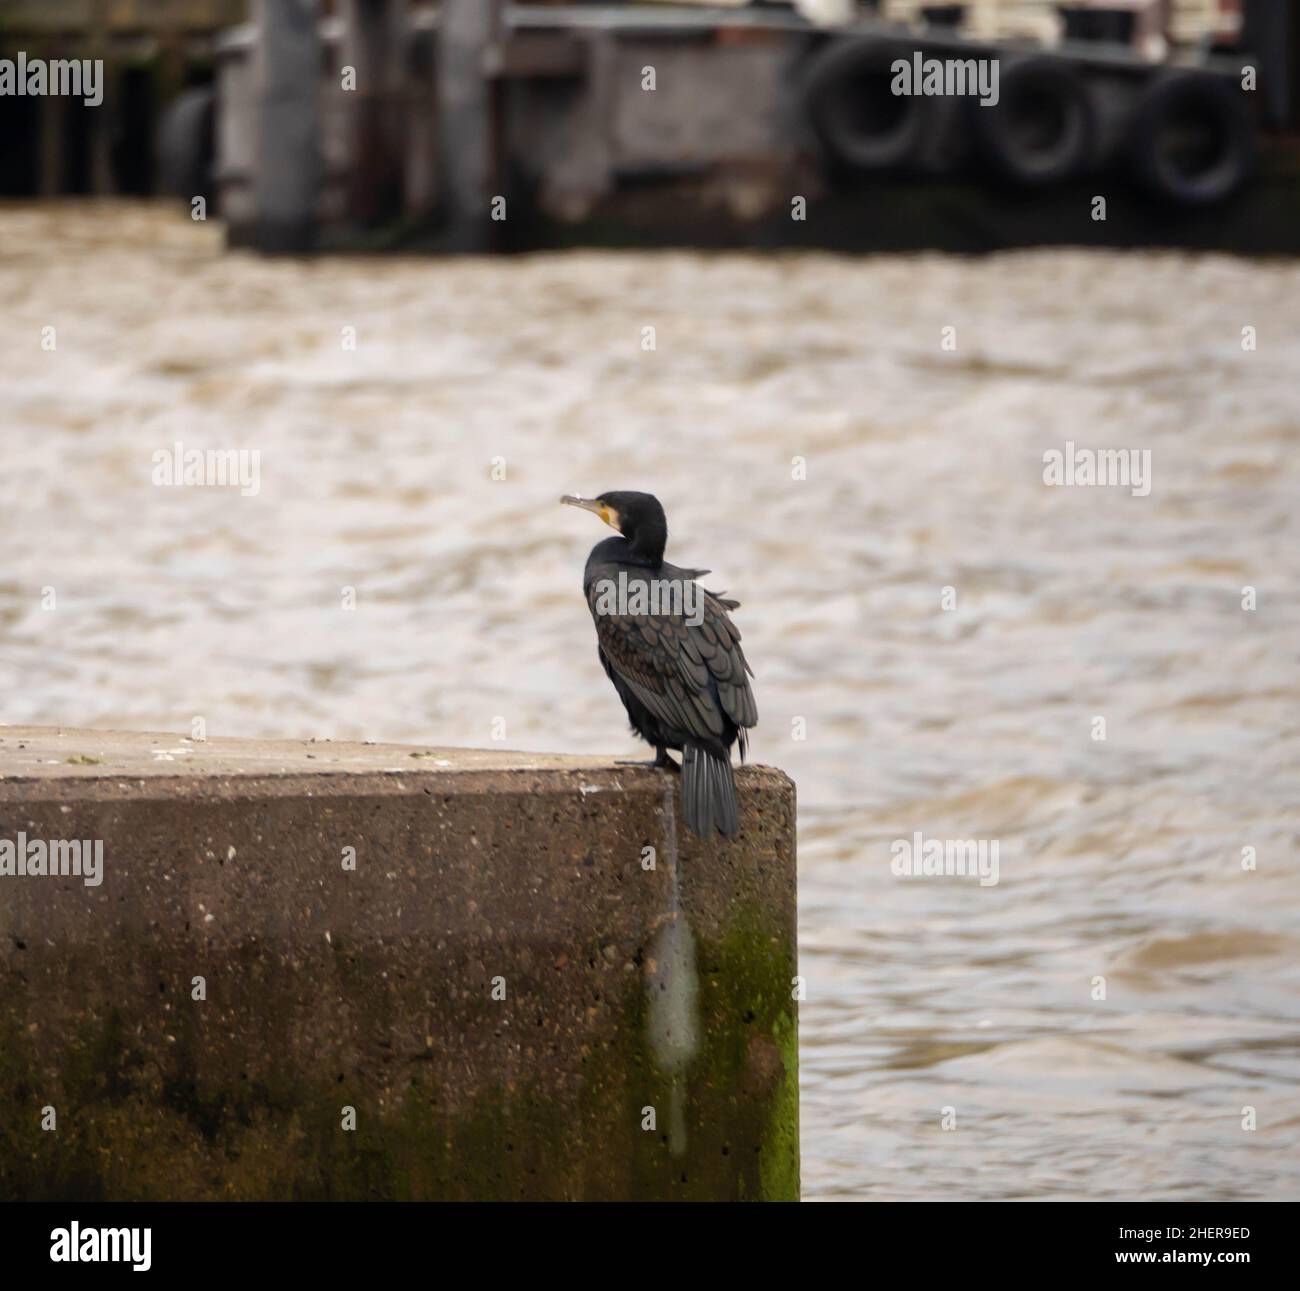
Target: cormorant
672, 653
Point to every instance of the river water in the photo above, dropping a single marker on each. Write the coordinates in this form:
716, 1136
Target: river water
1120, 859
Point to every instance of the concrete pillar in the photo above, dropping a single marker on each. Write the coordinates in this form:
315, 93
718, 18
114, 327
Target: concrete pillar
286, 181
236, 129
519, 971
469, 33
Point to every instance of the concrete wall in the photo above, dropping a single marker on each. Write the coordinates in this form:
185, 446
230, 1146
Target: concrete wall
327, 987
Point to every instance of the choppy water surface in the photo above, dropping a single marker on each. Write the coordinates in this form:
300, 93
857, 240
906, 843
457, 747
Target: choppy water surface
1119, 859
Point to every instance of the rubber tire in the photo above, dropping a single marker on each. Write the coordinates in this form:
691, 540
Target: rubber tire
1067, 153
187, 144
830, 104
1221, 103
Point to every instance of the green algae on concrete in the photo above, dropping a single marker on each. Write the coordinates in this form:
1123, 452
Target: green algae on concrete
378, 989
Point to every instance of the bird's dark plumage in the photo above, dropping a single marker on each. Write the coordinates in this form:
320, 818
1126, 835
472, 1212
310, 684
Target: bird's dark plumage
678, 666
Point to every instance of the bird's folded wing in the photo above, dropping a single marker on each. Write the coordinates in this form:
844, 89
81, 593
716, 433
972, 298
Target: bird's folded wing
686, 674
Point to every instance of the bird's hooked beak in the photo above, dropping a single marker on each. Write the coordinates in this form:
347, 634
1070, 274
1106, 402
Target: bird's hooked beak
596, 507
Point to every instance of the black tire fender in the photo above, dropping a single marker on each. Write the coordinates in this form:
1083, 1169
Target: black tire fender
1192, 138
857, 118
187, 144
1042, 130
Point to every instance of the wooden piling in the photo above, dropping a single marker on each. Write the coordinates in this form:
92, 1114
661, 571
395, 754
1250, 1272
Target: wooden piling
100, 125
375, 35
51, 167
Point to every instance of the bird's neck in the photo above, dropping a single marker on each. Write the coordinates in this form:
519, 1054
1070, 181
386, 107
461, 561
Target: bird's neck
647, 545
644, 557
620, 551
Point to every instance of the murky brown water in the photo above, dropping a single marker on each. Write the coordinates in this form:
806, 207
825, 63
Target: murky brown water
1119, 859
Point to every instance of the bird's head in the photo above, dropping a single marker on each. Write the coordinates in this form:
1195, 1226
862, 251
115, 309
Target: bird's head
637, 516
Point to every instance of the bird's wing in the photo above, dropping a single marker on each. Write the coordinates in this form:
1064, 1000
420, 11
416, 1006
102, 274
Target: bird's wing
687, 675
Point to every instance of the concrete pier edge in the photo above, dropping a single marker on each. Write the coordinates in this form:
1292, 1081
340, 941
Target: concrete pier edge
322, 970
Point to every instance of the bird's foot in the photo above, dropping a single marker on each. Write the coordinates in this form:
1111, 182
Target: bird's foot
662, 762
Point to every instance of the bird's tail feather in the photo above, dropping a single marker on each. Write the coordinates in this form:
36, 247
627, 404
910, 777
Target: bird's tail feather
708, 793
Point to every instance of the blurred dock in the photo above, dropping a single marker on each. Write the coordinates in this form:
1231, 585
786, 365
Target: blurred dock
477, 125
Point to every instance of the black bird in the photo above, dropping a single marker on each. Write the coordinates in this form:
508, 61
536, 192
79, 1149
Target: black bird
673, 655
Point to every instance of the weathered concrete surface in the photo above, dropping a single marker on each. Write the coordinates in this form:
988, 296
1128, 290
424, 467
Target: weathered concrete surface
372, 988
